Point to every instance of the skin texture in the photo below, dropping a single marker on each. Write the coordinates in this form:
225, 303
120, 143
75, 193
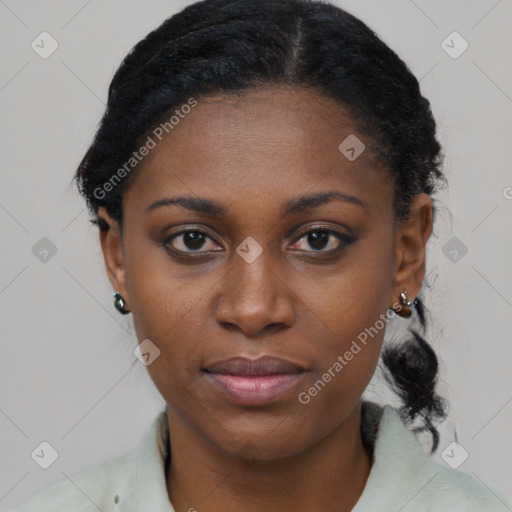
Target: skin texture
252, 152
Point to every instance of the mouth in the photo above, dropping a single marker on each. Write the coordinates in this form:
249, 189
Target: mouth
264, 365
254, 381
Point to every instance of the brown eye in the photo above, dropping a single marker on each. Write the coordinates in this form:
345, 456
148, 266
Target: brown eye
192, 240
322, 240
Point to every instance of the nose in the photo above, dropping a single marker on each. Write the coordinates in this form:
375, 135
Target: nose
255, 298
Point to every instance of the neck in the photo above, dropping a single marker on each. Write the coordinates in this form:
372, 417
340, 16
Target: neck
330, 475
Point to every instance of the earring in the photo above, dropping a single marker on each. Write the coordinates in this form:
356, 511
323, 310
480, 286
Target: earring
119, 303
405, 310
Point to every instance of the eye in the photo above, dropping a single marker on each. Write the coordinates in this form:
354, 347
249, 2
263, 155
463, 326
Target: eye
191, 240
321, 238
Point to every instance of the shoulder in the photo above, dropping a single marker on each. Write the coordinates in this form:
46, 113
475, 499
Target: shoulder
91, 489
127, 482
452, 490
404, 478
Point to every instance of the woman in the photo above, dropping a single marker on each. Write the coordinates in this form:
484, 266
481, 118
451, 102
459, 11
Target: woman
262, 180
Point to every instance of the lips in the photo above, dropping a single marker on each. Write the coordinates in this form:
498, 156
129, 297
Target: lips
254, 382
264, 365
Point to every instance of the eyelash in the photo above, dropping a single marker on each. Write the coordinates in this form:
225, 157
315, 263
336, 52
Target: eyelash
344, 240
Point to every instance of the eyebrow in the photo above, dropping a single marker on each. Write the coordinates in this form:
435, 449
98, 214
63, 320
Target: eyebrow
294, 205
298, 204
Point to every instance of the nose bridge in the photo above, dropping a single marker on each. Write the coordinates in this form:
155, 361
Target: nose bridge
253, 295
252, 267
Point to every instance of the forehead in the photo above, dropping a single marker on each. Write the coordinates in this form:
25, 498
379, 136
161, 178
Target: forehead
275, 138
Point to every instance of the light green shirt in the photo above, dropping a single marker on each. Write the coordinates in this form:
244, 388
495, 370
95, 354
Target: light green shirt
402, 478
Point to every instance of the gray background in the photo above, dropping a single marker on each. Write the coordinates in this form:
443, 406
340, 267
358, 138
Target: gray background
67, 372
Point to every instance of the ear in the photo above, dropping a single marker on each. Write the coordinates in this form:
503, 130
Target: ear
411, 241
112, 247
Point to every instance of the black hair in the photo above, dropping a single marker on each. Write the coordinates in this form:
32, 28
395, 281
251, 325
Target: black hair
225, 46
411, 369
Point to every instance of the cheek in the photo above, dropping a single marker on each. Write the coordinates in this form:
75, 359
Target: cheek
351, 316
346, 362
163, 294
348, 344
167, 310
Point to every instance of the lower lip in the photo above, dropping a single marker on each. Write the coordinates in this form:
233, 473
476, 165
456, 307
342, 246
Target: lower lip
254, 390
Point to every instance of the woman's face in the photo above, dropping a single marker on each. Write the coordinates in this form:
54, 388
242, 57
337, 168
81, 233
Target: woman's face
311, 285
